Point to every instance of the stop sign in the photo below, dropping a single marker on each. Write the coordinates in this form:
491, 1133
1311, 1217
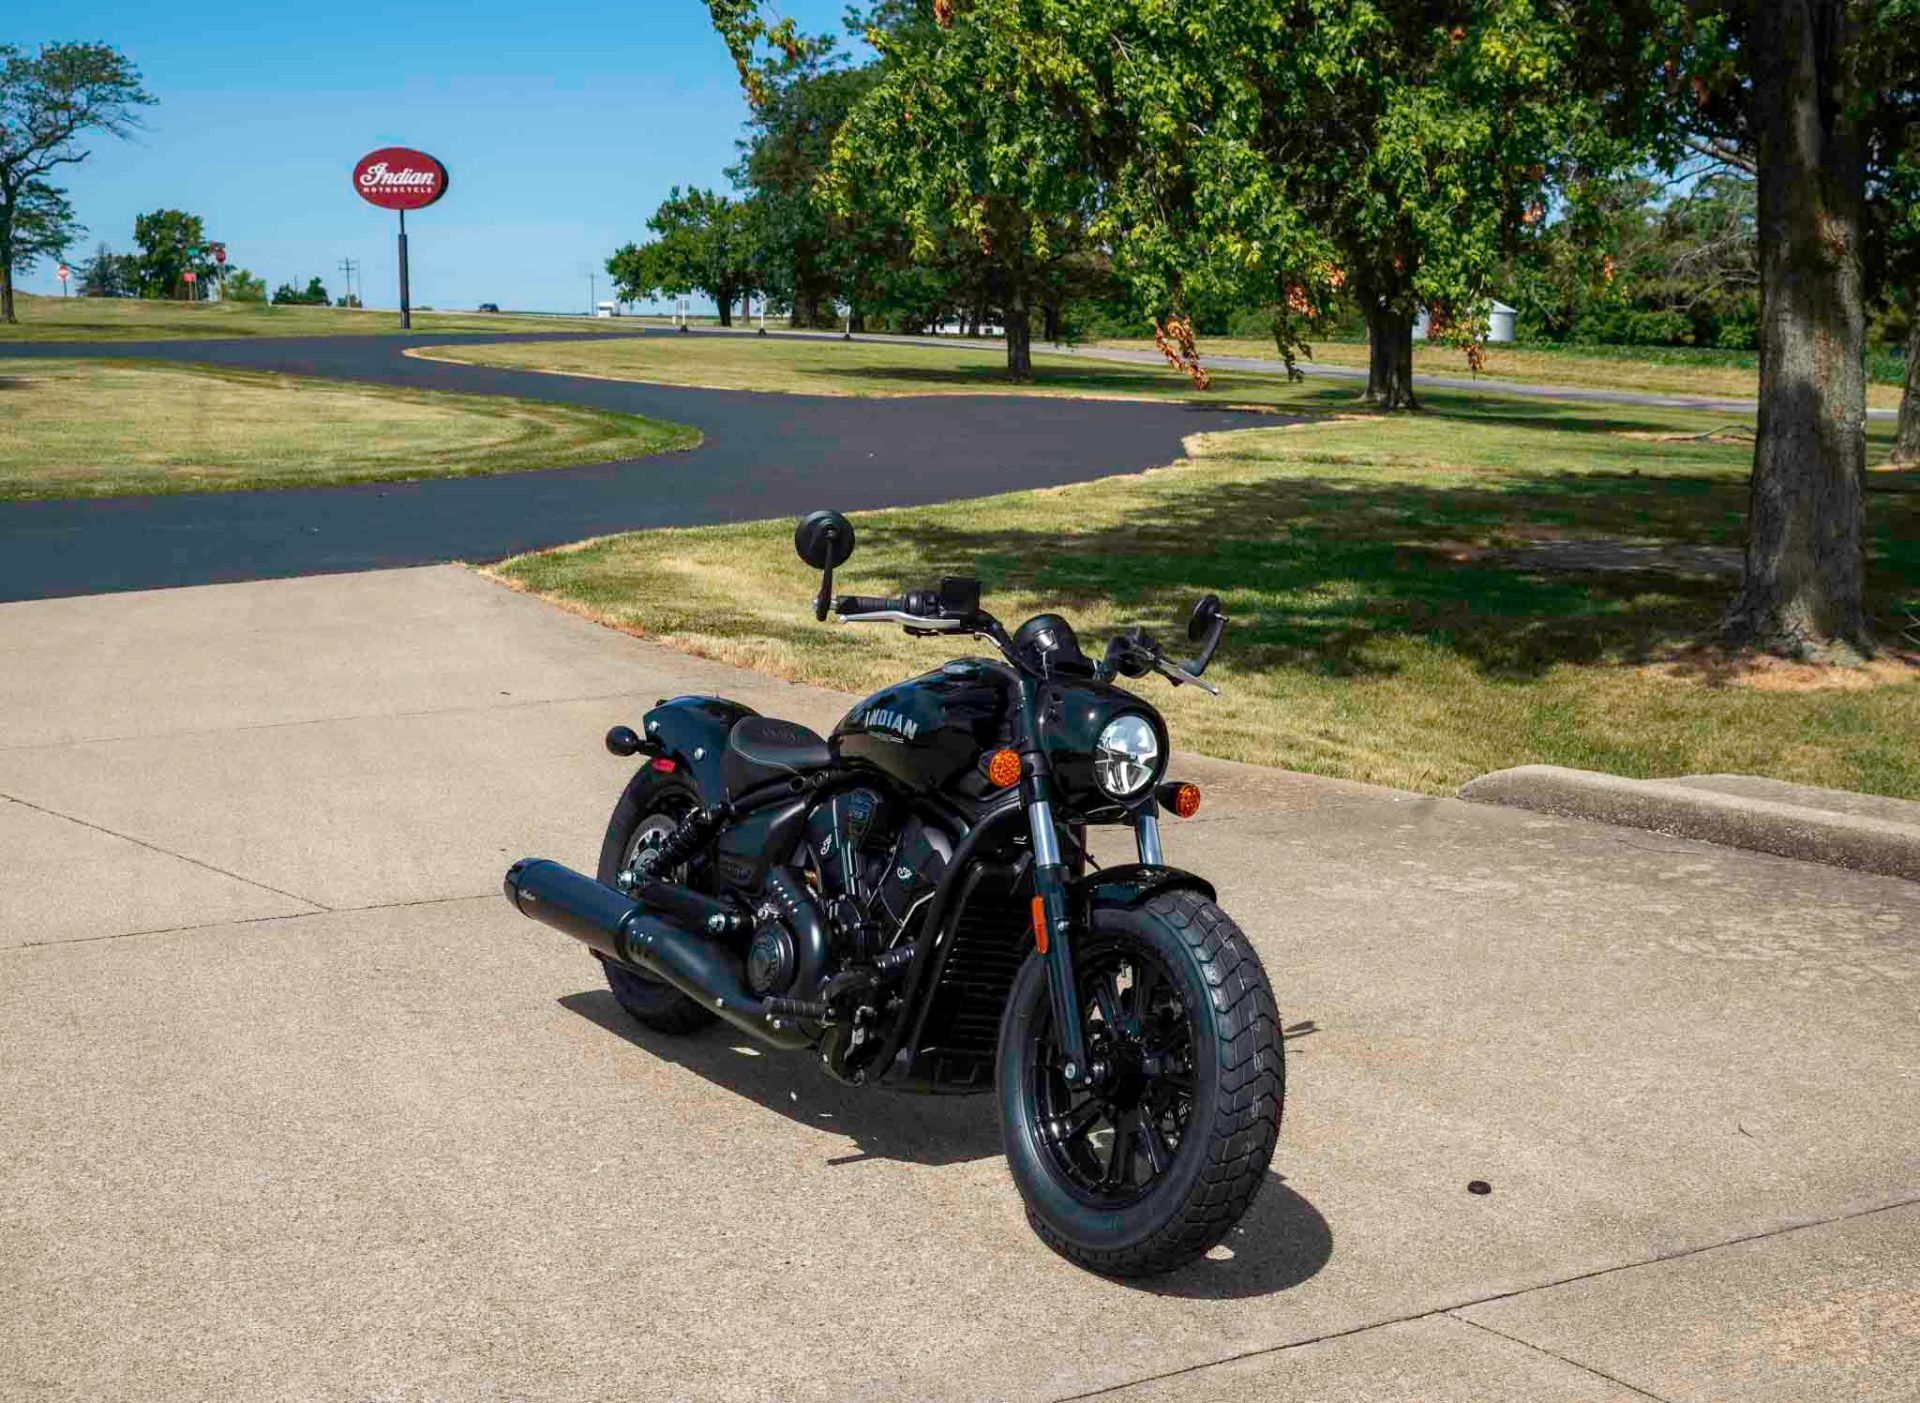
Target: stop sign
193, 277
63, 273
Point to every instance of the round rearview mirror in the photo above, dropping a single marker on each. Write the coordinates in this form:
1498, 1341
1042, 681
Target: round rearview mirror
1204, 613
824, 540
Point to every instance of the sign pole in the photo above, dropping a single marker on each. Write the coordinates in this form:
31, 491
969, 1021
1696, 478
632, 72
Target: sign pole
406, 302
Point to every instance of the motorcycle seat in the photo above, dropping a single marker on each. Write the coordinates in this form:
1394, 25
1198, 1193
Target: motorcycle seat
761, 749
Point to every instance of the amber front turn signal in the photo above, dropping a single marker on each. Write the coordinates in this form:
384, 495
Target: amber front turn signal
1003, 769
1040, 925
1181, 798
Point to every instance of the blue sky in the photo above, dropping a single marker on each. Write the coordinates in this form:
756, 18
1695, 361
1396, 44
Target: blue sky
561, 129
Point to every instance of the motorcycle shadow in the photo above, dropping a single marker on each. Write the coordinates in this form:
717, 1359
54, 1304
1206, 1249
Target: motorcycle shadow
1283, 1241
931, 1130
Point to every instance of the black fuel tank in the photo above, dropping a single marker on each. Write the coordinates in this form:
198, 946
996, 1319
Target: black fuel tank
928, 729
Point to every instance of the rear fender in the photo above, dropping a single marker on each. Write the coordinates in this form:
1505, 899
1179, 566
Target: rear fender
692, 733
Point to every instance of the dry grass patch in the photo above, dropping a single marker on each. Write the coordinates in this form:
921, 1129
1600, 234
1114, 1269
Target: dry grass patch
101, 428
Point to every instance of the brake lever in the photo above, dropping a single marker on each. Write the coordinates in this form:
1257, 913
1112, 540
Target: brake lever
1177, 674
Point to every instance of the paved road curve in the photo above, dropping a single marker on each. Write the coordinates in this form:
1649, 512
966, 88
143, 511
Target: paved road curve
764, 455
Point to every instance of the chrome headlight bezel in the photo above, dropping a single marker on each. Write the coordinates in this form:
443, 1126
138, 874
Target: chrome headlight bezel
1127, 758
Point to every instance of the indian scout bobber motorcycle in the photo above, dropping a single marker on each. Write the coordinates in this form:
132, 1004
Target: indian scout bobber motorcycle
912, 900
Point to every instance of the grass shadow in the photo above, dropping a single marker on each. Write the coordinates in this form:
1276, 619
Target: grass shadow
1319, 570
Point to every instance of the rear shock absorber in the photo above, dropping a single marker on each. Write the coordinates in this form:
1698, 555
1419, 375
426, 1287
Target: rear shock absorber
688, 837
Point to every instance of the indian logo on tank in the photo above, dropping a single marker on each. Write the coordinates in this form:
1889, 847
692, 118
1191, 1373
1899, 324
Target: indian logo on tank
880, 718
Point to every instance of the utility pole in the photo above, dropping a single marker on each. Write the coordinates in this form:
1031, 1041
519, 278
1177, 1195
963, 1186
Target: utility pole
348, 267
593, 294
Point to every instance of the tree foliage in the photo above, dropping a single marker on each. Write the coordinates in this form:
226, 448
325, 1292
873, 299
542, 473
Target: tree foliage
109, 274
703, 242
50, 101
1635, 260
314, 294
239, 285
172, 244
42, 226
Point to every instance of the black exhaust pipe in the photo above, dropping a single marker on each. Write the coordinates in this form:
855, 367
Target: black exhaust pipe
625, 931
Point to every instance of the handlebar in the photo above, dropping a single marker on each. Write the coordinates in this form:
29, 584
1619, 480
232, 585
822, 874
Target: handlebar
954, 608
868, 604
918, 609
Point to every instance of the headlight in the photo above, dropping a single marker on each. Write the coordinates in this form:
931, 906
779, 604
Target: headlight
1126, 756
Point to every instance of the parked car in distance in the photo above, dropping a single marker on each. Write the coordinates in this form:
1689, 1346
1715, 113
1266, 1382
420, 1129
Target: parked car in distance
489, 306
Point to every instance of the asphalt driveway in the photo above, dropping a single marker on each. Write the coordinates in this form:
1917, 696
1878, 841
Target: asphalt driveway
293, 1107
764, 454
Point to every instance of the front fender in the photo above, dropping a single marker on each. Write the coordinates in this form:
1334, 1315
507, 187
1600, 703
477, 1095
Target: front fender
1135, 884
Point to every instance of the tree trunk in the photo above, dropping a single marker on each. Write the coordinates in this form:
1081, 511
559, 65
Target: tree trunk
1906, 438
6, 292
1802, 594
856, 321
725, 303
1019, 333
1054, 323
1390, 358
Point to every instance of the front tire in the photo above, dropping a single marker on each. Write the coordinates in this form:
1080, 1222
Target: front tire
651, 807
1145, 1172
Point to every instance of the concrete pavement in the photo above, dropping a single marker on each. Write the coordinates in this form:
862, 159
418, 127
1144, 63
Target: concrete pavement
293, 1107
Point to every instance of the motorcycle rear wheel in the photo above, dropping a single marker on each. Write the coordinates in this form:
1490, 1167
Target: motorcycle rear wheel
1149, 1168
651, 807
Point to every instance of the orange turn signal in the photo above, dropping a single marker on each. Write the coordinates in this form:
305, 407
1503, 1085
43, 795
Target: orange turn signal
1183, 799
1003, 769
1040, 925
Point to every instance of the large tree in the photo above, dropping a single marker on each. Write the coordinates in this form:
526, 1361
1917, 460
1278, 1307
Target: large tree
704, 242
960, 142
800, 243
51, 100
1808, 95
172, 244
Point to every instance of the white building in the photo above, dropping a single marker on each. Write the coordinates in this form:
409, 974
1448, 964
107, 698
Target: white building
1500, 319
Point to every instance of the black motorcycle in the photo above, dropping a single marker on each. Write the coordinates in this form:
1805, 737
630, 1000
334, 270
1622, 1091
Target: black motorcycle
912, 899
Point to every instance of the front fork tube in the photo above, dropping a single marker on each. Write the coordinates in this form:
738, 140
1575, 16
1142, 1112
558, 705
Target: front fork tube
1050, 890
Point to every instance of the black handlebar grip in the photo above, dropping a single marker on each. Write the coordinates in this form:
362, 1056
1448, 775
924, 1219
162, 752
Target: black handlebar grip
865, 604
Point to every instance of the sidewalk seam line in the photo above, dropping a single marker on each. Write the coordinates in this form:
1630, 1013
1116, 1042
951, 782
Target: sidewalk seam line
1448, 1310
243, 921
165, 852
310, 721
1555, 1355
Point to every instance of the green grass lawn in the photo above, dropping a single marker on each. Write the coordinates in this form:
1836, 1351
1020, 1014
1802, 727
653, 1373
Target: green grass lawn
1666, 370
1397, 616
103, 428
829, 366
131, 319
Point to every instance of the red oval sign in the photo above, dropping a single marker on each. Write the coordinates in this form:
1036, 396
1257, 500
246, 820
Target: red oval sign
395, 177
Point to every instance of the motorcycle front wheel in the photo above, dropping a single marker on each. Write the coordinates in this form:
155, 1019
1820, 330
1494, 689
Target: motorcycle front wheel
1153, 1163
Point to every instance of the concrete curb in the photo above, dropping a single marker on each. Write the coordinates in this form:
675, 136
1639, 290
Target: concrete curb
1809, 824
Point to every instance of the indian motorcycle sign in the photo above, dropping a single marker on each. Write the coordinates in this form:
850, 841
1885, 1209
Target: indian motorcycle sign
395, 177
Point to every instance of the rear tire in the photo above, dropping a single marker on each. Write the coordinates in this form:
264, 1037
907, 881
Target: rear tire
651, 804
1150, 1170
